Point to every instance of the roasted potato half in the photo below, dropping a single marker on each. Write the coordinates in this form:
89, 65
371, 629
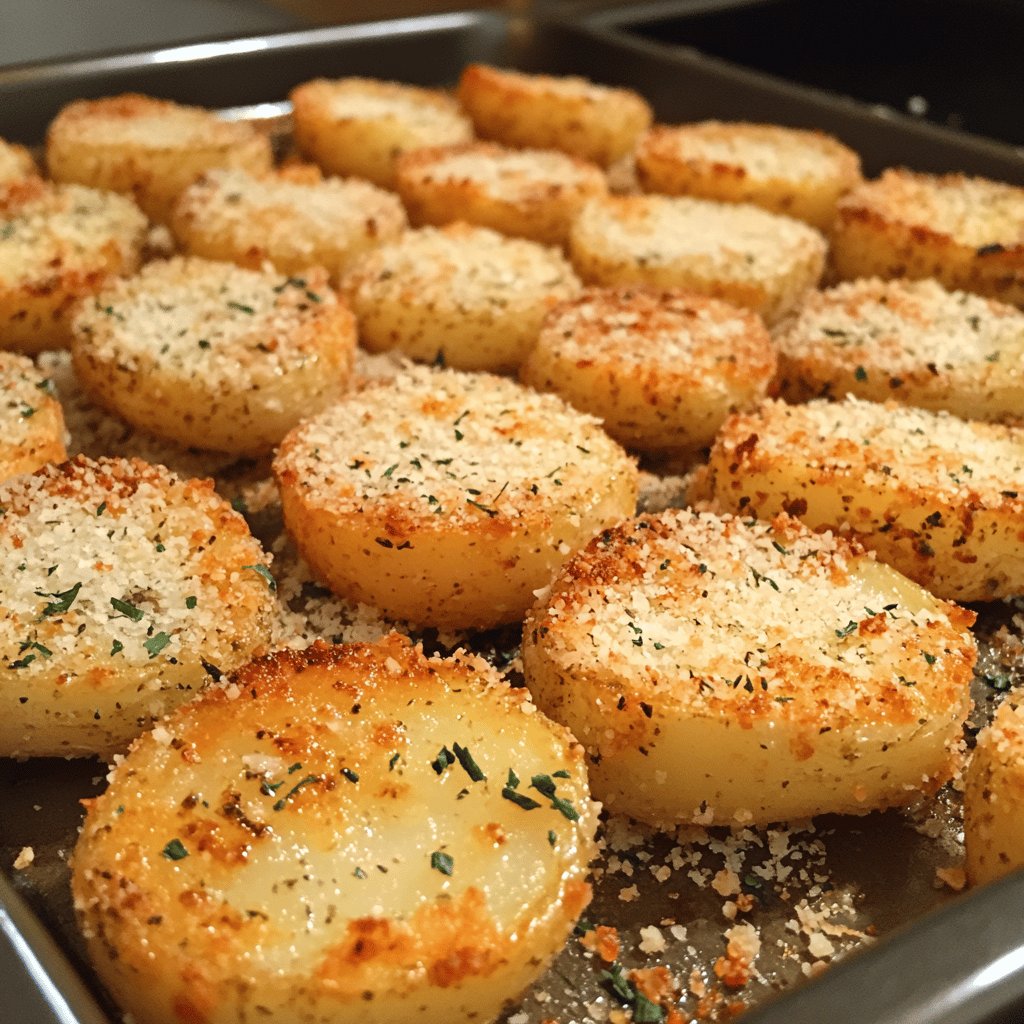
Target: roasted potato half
16, 163
31, 421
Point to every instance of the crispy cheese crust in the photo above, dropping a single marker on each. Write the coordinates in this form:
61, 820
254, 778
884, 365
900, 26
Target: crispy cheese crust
58, 244
31, 421
448, 498
328, 838
724, 671
121, 583
360, 126
939, 498
572, 114
737, 252
662, 370
965, 232
802, 174
212, 355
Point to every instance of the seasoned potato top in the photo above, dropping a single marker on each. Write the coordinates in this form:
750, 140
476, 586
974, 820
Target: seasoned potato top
908, 327
768, 619
438, 448
117, 562
546, 86
966, 463
47, 230
15, 162
202, 317
730, 240
24, 392
975, 212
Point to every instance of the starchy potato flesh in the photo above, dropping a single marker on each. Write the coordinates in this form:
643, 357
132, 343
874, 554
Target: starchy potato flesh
212, 355
726, 671
909, 341
360, 126
288, 219
994, 797
16, 162
563, 112
339, 845
461, 295
799, 173
965, 232
120, 581
732, 251
448, 498
939, 498
59, 243
662, 370
31, 422
148, 148
530, 193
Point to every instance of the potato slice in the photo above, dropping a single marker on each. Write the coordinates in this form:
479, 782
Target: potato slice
461, 295
360, 126
16, 163
448, 498
909, 341
214, 356
994, 798
124, 588
593, 122
965, 232
291, 219
662, 370
724, 671
939, 498
802, 174
530, 193
31, 421
732, 251
354, 834
59, 243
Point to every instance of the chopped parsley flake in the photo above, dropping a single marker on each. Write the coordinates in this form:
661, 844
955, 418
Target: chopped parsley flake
64, 600
262, 570
442, 862
126, 609
175, 850
155, 644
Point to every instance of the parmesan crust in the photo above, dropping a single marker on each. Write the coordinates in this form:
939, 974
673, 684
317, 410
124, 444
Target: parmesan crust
662, 370
58, 243
287, 219
593, 122
721, 670
148, 148
939, 498
215, 356
802, 174
122, 584
349, 824
31, 423
16, 163
360, 126
462, 295
737, 252
448, 498
911, 341
532, 193
966, 232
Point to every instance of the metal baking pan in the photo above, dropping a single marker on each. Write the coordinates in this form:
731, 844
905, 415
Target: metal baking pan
965, 964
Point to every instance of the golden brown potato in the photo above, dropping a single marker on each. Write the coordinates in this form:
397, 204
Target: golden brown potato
358, 834
802, 174
729, 672
285, 219
462, 295
148, 148
965, 232
124, 588
732, 251
31, 422
213, 356
16, 163
360, 126
662, 370
910, 341
577, 116
531, 193
59, 243
447, 498
939, 498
